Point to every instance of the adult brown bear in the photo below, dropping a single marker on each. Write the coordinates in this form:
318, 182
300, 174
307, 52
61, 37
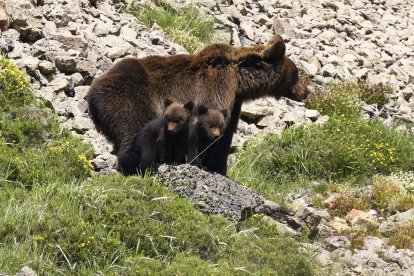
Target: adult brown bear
220, 76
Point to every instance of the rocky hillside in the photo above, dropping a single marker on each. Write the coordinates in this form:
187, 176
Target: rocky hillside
64, 45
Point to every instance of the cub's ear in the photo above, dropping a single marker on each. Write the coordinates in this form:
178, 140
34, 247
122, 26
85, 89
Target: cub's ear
202, 110
167, 102
189, 105
276, 50
224, 112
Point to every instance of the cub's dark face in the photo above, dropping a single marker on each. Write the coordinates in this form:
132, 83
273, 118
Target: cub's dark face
177, 116
211, 123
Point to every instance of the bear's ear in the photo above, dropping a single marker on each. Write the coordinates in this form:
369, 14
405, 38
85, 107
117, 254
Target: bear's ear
224, 112
276, 50
202, 110
167, 102
189, 106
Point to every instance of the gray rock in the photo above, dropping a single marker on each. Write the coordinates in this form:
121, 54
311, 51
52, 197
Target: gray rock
72, 64
403, 257
336, 242
312, 114
81, 91
104, 161
215, 194
31, 63
77, 79
4, 19
253, 111
246, 26
396, 221
69, 41
59, 83
26, 271
283, 27
46, 67
310, 68
329, 70
373, 244
364, 260
82, 124
312, 216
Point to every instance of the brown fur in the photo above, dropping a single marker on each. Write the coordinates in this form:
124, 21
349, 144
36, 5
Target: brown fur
219, 76
164, 139
206, 128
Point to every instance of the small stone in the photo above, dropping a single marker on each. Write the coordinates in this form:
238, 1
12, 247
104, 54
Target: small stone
4, 20
332, 201
373, 244
312, 114
363, 219
283, 27
248, 30
77, 79
82, 124
26, 271
269, 121
312, 216
335, 242
339, 225
310, 68
31, 63
329, 70
59, 83
396, 221
252, 111
46, 67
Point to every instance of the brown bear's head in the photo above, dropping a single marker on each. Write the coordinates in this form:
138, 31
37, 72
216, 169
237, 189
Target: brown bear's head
288, 84
211, 123
177, 116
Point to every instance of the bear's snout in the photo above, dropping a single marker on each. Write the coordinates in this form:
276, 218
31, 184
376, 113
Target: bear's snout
301, 91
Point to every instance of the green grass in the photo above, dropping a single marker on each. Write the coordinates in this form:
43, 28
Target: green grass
129, 225
342, 150
186, 27
58, 218
33, 148
346, 98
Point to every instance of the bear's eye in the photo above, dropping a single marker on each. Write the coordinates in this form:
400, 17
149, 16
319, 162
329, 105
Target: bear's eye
295, 77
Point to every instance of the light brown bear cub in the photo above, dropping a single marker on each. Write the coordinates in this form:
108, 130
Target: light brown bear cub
164, 139
207, 127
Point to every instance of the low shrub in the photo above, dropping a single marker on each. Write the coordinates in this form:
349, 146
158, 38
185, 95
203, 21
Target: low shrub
187, 27
345, 98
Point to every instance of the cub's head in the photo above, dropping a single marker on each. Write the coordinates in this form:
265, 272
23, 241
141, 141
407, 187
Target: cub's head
177, 116
211, 123
288, 84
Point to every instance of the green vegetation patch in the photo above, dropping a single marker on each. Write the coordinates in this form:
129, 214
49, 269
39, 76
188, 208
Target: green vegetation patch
345, 98
403, 237
186, 27
116, 224
343, 149
57, 219
33, 148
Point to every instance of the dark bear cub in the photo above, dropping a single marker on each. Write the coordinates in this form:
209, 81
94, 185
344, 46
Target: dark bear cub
207, 127
164, 139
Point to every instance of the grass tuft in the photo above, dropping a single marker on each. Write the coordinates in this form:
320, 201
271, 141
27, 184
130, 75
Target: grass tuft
346, 98
187, 27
